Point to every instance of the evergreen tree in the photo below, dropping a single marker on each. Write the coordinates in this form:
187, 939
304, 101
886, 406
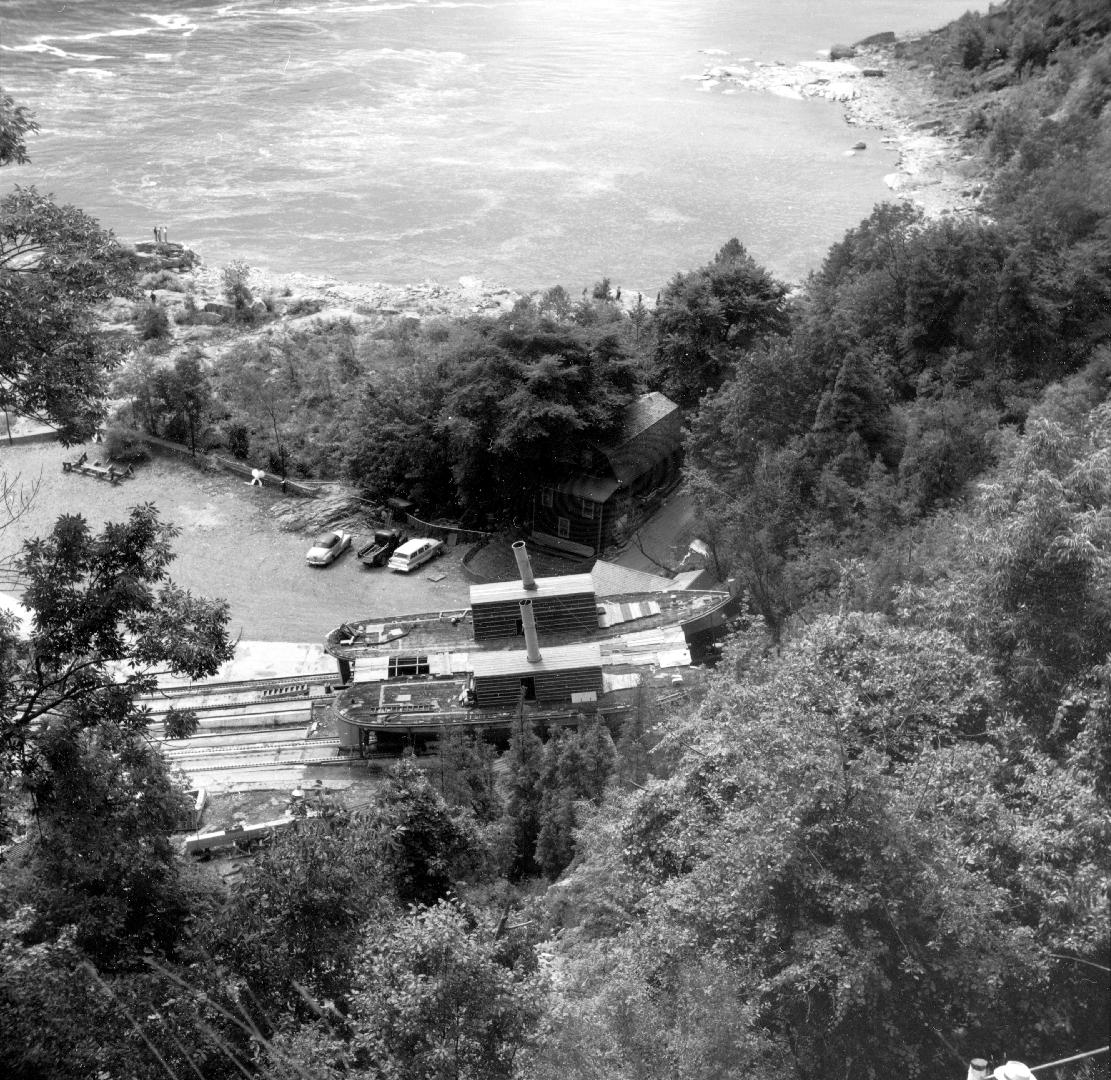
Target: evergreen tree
466, 773
526, 760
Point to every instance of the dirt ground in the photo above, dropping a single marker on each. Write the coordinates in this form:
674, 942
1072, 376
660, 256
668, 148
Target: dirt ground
229, 546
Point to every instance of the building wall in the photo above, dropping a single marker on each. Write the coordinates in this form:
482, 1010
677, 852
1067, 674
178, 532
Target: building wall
553, 615
580, 517
604, 524
552, 687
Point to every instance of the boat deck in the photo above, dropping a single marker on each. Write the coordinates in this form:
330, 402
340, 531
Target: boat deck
453, 631
429, 703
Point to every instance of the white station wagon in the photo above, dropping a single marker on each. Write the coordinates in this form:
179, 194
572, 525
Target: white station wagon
413, 553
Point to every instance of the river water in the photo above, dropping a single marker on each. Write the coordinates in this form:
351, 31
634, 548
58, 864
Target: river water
530, 142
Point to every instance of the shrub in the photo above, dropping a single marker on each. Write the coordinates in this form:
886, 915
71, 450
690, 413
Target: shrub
124, 444
310, 305
238, 440
152, 321
234, 277
176, 429
162, 279
188, 314
278, 462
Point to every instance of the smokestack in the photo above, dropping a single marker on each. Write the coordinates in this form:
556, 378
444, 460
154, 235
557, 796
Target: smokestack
520, 553
528, 623
977, 1069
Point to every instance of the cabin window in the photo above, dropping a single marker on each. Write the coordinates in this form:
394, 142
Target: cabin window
408, 666
563, 528
546, 497
588, 509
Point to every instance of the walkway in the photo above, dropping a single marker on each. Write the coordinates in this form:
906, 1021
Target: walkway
662, 541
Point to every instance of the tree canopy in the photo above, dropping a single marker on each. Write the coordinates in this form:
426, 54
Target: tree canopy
56, 265
707, 317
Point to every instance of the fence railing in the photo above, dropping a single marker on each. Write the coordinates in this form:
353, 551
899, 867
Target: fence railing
442, 530
211, 460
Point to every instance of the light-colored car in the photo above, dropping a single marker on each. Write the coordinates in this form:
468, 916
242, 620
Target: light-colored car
413, 553
329, 546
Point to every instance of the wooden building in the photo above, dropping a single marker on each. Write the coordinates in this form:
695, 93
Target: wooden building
565, 673
615, 484
560, 605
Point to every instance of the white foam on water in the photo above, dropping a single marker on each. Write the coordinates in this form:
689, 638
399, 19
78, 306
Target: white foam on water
171, 22
418, 56
234, 11
40, 46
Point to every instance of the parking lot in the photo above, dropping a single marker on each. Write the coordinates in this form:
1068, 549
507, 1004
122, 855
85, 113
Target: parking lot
229, 546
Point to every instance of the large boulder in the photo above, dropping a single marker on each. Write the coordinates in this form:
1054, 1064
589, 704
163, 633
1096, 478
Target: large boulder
841, 52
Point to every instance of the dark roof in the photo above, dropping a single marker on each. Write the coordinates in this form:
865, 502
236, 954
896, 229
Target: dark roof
651, 430
595, 488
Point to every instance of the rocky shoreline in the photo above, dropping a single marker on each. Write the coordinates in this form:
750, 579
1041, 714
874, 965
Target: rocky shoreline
877, 90
424, 300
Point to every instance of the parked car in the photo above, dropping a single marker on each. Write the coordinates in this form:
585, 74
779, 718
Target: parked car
414, 553
377, 550
329, 546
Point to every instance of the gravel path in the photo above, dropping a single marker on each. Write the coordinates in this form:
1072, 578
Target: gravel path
229, 546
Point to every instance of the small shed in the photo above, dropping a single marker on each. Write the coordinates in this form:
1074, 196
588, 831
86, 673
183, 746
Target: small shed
563, 673
565, 604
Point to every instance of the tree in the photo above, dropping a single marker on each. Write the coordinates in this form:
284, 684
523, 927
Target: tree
524, 398
437, 1003
297, 919
262, 393
106, 616
853, 861
56, 265
857, 403
750, 534
705, 318
101, 859
234, 278
16, 123
577, 765
152, 321
466, 773
424, 846
1026, 579
525, 757
185, 393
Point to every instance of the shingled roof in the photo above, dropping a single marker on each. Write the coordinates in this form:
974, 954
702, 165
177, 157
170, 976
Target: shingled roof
651, 430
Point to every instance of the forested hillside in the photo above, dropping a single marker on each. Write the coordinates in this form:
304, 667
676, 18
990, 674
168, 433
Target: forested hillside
877, 843
915, 353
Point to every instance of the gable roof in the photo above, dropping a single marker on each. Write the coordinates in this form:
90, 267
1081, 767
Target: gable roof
651, 430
